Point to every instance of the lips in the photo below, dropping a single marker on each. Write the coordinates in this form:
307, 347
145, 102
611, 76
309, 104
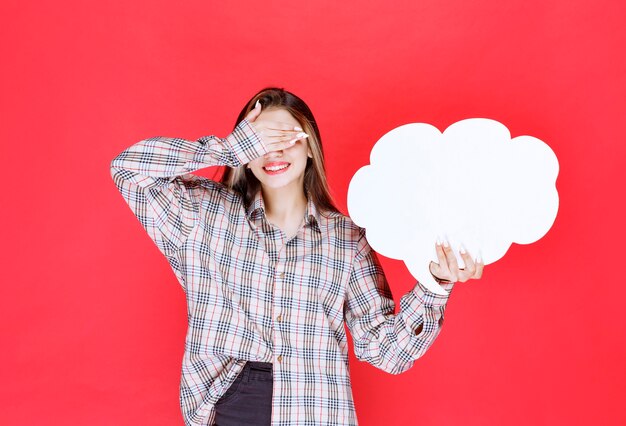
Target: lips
276, 168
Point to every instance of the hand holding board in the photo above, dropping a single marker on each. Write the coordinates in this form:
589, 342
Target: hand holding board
471, 185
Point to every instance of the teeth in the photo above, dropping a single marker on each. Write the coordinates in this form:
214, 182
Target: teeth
276, 168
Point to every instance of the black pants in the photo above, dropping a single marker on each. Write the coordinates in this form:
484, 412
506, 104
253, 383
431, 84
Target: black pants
248, 401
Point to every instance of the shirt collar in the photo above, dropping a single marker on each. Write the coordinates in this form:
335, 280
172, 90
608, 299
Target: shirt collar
257, 209
257, 206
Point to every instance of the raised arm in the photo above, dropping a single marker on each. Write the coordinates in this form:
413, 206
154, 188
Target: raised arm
153, 177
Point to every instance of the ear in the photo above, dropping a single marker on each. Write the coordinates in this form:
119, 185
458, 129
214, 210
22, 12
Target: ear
309, 153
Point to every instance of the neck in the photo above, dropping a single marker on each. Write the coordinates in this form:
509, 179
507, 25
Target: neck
284, 204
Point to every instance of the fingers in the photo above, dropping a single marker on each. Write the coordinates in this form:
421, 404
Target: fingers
440, 270
447, 267
283, 143
470, 267
453, 265
479, 268
441, 258
275, 134
473, 268
254, 113
283, 136
277, 128
435, 269
278, 136
283, 140
277, 125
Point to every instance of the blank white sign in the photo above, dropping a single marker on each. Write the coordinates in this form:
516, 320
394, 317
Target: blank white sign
472, 185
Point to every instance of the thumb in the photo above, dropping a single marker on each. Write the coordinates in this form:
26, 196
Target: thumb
254, 113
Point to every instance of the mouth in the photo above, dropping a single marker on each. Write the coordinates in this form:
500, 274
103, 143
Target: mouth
276, 168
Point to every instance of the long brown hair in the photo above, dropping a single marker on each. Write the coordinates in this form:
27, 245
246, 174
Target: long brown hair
243, 181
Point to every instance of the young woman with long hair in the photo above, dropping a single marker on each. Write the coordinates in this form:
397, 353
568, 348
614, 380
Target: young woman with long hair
272, 271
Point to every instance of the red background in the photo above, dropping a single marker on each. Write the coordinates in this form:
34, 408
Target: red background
92, 318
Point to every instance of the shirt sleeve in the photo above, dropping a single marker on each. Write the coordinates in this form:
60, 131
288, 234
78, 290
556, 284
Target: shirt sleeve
391, 342
153, 177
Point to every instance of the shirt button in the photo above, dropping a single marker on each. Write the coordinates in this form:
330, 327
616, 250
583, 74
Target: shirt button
282, 275
279, 318
279, 358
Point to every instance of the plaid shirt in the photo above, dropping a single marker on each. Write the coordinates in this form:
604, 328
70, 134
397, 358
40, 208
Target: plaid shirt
253, 295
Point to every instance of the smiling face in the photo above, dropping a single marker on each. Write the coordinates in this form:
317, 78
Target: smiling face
285, 168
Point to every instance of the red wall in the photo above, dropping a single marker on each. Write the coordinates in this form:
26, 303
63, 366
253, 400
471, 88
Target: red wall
93, 320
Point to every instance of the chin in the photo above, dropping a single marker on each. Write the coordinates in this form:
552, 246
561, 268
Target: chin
276, 185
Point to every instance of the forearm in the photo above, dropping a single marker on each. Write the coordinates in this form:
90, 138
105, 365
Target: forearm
153, 177
392, 342
154, 161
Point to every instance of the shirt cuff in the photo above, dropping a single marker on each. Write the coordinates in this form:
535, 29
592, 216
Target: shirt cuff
245, 143
419, 305
430, 299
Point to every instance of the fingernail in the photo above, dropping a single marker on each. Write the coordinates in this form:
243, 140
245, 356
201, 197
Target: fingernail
291, 142
446, 244
297, 129
258, 104
462, 250
479, 259
438, 241
302, 135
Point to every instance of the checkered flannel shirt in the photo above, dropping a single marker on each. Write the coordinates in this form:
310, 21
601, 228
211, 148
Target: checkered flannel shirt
253, 295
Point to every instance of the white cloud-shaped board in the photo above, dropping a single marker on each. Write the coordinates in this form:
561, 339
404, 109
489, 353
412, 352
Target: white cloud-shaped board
472, 185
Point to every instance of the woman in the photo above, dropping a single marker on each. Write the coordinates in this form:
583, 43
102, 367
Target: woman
272, 271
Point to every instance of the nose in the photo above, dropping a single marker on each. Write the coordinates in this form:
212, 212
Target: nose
274, 154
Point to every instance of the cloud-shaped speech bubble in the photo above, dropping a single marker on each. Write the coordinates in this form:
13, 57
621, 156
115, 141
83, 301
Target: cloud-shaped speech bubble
472, 185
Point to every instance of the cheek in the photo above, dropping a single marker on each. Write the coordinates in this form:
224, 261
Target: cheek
255, 169
254, 164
